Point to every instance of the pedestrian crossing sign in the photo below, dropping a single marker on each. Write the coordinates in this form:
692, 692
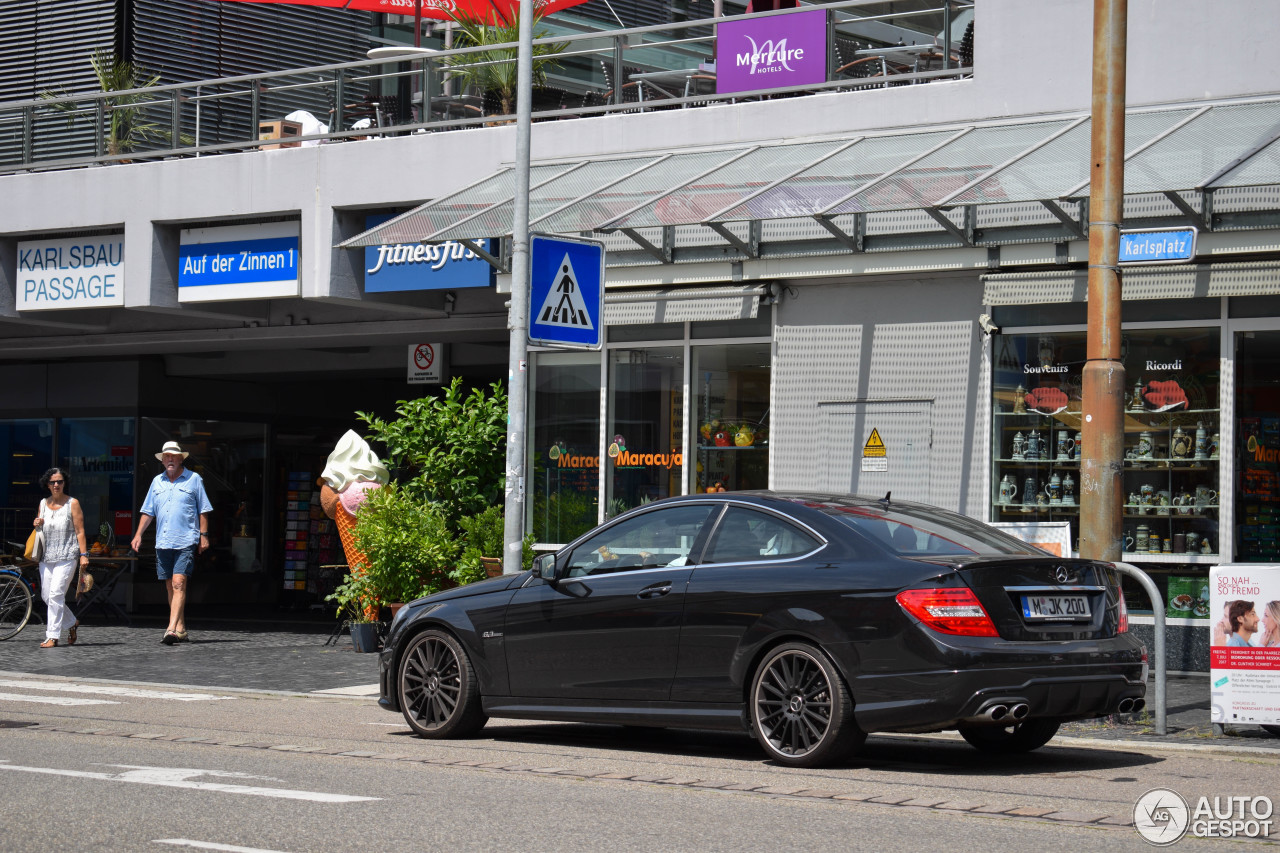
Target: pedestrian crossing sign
566, 292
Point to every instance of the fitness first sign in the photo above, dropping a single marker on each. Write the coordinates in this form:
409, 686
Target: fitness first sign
75, 272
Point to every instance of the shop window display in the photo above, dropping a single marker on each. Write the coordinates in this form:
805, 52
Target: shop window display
99, 453
1171, 428
645, 451
1257, 447
26, 447
731, 385
565, 449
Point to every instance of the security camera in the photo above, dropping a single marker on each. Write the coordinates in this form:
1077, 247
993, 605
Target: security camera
988, 327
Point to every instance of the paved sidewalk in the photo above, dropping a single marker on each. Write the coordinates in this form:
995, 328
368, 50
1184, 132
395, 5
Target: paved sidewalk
293, 657
251, 655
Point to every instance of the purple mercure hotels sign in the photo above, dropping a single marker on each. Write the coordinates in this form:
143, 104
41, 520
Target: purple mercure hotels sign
768, 53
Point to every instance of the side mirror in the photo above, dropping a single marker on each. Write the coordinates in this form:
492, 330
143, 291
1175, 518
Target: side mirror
544, 566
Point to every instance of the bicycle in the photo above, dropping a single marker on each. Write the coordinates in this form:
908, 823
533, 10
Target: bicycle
16, 595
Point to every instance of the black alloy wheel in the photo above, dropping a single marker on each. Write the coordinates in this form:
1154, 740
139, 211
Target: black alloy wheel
801, 710
1009, 740
438, 692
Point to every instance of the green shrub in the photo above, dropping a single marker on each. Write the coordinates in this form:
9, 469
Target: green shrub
410, 549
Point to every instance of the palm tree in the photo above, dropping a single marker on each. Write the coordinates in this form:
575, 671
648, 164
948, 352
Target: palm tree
127, 124
495, 70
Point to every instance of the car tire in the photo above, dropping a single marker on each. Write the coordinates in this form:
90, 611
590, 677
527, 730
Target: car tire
801, 709
1010, 740
437, 687
1274, 730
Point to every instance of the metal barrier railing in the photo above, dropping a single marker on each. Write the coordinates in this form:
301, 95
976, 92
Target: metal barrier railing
630, 70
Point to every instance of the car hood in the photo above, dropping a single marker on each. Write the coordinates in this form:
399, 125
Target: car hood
477, 588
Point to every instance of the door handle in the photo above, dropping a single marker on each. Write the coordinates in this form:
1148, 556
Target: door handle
654, 591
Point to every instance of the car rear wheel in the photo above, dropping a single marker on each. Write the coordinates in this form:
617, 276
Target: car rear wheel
1007, 740
438, 691
801, 710
1275, 730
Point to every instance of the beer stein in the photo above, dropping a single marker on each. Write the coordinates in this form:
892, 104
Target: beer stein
1079, 448
1193, 542
1042, 500
1019, 446
1029, 494
1166, 547
1054, 490
1135, 402
1202, 442
1146, 497
1179, 543
1068, 490
1153, 544
1142, 541
1163, 502
1008, 490
1213, 447
1145, 446
1035, 447
1185, 503
1020, 400
1128, 541
1135, 502
1180, 446
1065, 447
1205, 497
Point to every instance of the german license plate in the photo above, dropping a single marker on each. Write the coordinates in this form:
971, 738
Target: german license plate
1055, 607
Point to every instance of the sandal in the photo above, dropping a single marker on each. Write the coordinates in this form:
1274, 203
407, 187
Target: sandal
50, 643
71, 635
181, 637
169, 638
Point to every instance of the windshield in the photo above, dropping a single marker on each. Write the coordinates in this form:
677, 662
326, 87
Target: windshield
912, 531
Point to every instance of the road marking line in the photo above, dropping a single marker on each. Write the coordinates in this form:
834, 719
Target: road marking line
108, 690
210, 845
356, 690
176, 777
55, 700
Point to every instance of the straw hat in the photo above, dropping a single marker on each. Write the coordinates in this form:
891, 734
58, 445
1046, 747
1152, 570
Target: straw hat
171, 447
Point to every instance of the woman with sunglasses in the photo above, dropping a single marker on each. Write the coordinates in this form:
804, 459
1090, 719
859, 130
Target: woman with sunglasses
62, 521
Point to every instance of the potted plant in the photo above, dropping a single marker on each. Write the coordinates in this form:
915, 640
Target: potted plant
483, 537
408, 545
493, 72
355, 597
128, 126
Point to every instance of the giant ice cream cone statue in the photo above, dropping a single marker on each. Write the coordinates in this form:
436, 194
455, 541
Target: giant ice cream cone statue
351, 471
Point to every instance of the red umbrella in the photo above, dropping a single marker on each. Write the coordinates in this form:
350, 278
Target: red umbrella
441, 10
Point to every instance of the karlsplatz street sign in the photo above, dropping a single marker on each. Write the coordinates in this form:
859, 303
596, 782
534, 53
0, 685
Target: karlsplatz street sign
1158, 246
566, 292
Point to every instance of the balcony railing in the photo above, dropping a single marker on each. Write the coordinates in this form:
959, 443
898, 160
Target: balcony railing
671, 66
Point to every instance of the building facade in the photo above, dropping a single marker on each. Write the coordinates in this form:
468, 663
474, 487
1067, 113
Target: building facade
781, 349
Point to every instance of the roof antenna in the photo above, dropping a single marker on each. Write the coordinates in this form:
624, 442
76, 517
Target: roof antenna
885, 500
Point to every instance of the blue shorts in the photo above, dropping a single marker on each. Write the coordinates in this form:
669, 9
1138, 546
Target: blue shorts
175, 561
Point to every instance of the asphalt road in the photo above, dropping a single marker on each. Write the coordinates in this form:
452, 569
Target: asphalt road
138, 765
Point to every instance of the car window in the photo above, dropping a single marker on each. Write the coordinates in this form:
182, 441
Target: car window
747, 536
663, 537
917, 531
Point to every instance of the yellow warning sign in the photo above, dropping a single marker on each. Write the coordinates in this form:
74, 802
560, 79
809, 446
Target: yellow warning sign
874, 446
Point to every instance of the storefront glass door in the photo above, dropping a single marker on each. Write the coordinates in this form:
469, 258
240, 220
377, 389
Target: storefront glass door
1256, 447
564, 463
99, 454
646, 426
731, 417
27, 449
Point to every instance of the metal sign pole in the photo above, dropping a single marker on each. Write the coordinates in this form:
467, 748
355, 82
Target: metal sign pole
518, 313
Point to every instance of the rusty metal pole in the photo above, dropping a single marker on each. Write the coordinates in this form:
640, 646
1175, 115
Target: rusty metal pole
1102, 461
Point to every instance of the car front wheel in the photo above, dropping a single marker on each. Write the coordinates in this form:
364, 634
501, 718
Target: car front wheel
438, 691
1007, 740
801, 710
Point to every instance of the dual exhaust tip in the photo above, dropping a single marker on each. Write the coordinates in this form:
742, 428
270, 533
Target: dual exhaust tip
1007, 713
1131, 706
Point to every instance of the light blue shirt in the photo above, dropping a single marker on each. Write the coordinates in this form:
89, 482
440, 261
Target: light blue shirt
1238, 641
177, 506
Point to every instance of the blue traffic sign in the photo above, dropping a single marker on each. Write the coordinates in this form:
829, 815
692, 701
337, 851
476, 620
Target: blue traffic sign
1158, 246
566, 292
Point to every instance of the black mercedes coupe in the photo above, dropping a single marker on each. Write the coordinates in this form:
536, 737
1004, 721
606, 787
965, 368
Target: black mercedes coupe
808, 620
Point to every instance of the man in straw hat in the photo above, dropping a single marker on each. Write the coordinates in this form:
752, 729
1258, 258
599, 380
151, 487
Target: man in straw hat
178, 503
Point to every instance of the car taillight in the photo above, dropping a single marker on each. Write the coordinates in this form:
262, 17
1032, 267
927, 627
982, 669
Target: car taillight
1122, 624
951, 611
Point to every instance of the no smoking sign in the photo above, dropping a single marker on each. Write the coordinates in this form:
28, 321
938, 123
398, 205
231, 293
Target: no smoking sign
424, 363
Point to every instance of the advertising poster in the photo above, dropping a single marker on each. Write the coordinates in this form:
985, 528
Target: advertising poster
1051, 536
1188, 598
1244, 653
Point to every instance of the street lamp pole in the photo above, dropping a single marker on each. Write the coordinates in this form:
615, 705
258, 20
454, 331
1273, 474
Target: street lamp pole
1103, 378
518, 312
